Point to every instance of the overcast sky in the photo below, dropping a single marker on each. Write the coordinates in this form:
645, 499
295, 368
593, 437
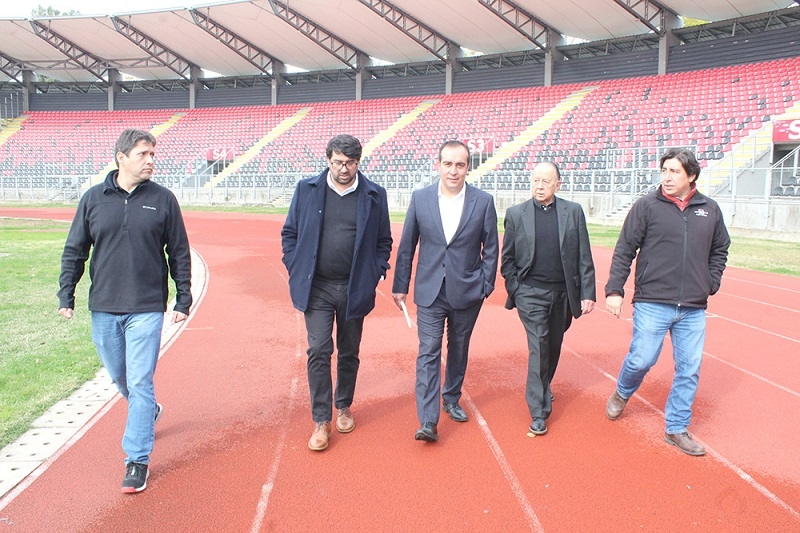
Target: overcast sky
22, 8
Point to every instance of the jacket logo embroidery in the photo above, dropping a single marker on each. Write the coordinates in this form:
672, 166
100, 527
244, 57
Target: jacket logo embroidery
701, 212
149, 207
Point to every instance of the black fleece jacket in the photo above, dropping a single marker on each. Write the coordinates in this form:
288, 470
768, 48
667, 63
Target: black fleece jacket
130, 234
681, 254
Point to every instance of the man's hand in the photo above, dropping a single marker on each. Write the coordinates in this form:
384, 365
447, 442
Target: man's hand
399, 299
587, 306
66, 312
614, 304
177, 317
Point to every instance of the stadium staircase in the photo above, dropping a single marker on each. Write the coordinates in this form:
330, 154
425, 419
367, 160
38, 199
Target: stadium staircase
11, 127
536, 129
404, 120
745, 155
256, 148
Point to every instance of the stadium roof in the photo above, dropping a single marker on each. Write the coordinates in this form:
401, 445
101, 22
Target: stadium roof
247, 38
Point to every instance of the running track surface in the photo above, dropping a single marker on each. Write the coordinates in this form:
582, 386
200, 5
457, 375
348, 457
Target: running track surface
231, 450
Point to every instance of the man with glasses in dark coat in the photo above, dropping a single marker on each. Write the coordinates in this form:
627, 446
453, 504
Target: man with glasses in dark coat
336, 245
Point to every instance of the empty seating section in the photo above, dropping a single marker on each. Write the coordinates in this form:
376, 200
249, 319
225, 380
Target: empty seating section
497, 116
620, 125
301, 149
51, 145
201, 135
709, 110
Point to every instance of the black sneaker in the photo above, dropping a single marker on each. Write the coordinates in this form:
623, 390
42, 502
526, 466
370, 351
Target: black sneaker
136, 475
159, 411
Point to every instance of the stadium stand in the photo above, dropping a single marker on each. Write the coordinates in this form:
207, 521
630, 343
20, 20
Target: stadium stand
494, 115
302, 148
614, 125
54, 149
200, 136
709, 111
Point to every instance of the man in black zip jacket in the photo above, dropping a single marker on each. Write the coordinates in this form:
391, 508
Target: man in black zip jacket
682, 246
131, 222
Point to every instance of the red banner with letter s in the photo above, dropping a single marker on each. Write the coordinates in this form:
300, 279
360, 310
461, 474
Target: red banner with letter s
786, 131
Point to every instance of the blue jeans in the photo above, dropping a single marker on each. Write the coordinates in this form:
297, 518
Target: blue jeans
687, 328
128, 346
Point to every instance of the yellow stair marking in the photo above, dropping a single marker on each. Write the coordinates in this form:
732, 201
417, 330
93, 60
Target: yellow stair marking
254, 150
11, 127
399, 124
532, 132
790, 114
157, 130
737, 159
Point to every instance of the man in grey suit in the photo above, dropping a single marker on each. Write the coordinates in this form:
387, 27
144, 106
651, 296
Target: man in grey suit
455, 225
549, 274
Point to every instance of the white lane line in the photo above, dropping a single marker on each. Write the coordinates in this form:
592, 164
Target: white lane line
269, 484
759, 302
744, 476
733, 278
629, 286
266, 489
761, 330
533, 520
169, 334
753, 375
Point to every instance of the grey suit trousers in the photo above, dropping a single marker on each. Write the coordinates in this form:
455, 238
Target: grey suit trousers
431, 322
546, 316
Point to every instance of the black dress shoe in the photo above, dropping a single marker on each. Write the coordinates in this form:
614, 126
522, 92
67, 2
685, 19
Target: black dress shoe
538, 427
427, 432
455, 411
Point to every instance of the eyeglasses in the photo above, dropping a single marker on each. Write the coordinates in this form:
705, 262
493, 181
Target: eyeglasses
350, 163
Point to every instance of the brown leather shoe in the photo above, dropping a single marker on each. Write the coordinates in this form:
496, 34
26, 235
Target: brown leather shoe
684, 443
319, 439
616, 404
345, 422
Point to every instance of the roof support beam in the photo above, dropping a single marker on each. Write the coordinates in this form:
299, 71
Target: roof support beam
11, 67
249, 52
524, 22
157, 51
341, 50
426, 37
86, 60
648, 12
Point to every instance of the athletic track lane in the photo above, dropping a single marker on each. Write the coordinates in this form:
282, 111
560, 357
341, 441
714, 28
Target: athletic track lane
231, 449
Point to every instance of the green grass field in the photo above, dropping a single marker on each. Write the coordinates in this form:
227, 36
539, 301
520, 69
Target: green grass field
44, 358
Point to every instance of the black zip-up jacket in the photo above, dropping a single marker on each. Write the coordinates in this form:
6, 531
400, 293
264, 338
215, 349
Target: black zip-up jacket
130, 234
681, 254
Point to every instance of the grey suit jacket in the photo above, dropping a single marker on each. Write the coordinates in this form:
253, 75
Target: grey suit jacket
469, 261
519, 243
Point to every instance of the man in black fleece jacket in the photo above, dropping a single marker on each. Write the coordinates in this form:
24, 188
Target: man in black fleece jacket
130, 222
680, 243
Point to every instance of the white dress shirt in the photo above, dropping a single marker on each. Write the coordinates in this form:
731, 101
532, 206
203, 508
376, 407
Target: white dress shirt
450, 209
348, 190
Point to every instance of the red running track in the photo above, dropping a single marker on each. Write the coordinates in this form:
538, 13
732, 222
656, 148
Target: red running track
231, 449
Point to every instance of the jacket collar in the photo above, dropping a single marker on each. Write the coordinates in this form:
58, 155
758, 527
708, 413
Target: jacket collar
321, 180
